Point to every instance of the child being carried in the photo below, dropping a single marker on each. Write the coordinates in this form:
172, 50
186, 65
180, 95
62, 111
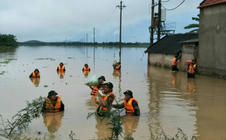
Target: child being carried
98, 99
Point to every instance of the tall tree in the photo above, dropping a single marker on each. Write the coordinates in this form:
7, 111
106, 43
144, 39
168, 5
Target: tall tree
8, 40
194, 26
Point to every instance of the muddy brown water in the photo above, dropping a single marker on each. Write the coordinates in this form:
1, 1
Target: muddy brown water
167, 100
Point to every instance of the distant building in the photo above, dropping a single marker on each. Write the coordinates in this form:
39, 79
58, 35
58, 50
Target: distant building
162, 52
212, 38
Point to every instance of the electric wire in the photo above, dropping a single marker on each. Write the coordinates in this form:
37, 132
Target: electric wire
174, 7
130, 27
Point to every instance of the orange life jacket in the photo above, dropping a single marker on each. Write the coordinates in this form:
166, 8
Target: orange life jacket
61, 73
191, 69
49, 106
35, 76
129, 106
175, 61
95, 90
86, 68
61, 68
118, 67
106, 97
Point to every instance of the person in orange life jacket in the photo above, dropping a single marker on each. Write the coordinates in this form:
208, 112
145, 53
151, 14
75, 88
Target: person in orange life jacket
95, 89
192, 68
53, 103
117, 66
86, 68
130, 104
105, 101
174, 63
61, 67
35, 74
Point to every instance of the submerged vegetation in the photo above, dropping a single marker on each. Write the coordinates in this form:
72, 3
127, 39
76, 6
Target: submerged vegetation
15, 129
51, 59
6, 61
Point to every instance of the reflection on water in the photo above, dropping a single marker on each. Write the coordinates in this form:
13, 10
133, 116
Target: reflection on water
167, 100
35, 81
117, 73
61, 74
102, 127
130, 124
52, 121
86, 73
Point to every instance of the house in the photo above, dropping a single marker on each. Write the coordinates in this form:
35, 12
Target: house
212, 38
162, 52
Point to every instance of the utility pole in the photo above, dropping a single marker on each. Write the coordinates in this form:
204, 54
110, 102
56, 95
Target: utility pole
120, 30
152, 22
86, 37
93, 35
159, 20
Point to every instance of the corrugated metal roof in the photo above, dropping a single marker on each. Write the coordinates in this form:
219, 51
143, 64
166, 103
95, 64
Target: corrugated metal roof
206, 3
170, 44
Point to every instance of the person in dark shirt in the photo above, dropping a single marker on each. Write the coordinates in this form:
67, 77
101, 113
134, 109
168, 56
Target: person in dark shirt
95, 89
130, 104
61, 67
53, 103
35, 74
105, 102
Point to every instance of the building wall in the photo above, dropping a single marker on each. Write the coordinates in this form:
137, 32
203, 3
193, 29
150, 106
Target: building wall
212, 41
189, 52
164, 60
160, 60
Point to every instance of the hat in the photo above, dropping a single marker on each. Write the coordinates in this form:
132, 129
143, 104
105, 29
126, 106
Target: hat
109, 85
36, 70
129, 92
102, 77
52, 92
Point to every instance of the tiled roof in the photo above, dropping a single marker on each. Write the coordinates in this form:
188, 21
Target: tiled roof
170, 44
206, 3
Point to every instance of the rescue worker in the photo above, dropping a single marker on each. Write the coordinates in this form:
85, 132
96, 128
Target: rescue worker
105, 101
61, 67
117, 66
174, 63
95, 89
86, 68
191, 69
52, 121
53, 103
130, 104
35, 74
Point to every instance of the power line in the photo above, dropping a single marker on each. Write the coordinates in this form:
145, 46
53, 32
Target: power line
174, 7
130, 27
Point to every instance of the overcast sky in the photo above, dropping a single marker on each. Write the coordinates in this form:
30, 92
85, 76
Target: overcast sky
75, 20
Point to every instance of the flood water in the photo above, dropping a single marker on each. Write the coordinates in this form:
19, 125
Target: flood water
167, 100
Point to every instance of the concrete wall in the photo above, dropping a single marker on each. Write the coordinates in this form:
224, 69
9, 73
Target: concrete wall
212, 41
160, 60
189, 52
164, 60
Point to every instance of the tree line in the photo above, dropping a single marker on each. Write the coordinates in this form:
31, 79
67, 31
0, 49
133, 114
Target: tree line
8, 40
